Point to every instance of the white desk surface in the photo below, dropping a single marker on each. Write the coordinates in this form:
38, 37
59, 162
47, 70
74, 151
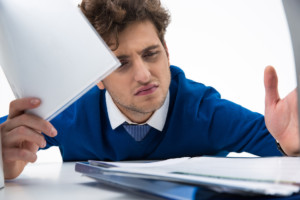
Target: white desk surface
56, 181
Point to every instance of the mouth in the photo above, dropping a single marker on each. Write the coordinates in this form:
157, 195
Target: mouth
145, 90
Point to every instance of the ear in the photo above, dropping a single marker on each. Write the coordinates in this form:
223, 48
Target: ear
101, 85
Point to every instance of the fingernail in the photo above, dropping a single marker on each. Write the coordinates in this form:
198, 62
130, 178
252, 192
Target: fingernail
44, 144
34, 101
53, 131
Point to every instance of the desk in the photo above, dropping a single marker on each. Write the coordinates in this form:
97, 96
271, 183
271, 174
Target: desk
56, 181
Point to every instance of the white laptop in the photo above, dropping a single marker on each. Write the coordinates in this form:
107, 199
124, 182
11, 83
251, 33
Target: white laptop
49, 50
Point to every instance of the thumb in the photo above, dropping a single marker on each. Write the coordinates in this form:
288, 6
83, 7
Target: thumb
271, 86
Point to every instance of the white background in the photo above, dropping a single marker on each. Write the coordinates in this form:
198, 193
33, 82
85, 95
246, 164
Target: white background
224, 44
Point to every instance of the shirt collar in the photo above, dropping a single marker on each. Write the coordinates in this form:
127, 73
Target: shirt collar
116, 117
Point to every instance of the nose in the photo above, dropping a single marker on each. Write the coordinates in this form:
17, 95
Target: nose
141, 73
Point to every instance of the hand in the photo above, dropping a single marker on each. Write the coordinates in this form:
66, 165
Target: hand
21, 136
281, 115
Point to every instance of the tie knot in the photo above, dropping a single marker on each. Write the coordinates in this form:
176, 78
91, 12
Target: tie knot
138, 132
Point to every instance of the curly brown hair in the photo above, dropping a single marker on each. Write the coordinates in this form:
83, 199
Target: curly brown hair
110, 17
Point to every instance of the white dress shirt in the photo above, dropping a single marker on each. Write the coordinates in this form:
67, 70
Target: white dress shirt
116, 117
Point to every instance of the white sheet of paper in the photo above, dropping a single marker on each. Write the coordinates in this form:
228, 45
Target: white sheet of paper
49, 50
270, 175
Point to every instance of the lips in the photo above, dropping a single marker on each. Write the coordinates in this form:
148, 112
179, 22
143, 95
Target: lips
145, 90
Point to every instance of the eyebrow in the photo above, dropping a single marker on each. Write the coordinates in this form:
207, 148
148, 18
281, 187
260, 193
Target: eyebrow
121, 57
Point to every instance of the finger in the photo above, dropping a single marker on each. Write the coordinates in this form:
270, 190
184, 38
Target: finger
17, 154
17, 136
17, 107
31, 121
271, 86
31, 146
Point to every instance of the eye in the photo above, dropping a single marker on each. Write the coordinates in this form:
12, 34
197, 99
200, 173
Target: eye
123, 63
124, 66
150, 54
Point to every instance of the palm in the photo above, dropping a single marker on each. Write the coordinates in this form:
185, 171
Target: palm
281, 115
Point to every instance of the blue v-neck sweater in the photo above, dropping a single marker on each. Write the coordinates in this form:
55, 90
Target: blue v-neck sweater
198, 123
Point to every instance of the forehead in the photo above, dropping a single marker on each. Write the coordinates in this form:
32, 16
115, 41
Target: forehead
137, 36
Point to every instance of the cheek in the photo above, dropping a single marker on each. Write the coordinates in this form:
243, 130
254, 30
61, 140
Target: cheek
166, 78
118, 85
165, 74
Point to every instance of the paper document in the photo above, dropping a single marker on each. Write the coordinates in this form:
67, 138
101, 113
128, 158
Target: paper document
164, 189
278, 176
49, 50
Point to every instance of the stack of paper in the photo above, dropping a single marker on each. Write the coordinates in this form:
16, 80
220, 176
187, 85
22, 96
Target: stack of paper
279, 176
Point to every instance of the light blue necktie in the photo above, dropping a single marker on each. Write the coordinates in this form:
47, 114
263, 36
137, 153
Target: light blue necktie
138, 132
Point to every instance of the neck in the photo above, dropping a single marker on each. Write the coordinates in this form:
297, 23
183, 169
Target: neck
136, 117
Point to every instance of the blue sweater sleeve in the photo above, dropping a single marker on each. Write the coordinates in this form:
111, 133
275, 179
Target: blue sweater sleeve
214, 124
3, 119
234, 128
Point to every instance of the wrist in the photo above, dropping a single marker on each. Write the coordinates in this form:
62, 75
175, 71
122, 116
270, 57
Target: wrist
286, 152
280, 149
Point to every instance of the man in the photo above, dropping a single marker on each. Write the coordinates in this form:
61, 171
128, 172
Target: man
186, 118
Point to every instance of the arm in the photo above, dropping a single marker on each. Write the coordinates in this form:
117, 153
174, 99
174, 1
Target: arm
21, 136
281, 115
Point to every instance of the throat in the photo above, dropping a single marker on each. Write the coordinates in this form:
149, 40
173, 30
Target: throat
138, 117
